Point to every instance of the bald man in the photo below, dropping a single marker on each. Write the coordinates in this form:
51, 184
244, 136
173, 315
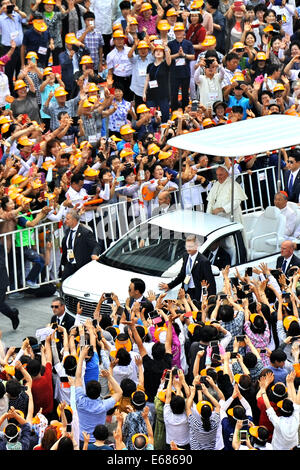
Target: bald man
287, 258
280, 201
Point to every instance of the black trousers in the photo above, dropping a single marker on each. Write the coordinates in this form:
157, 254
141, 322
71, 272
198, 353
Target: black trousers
12, 67
69, 269
4, 307
175, 85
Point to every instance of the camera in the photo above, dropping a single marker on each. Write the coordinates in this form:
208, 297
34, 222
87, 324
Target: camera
75, 48
249, 271
240, 338
195, 104
10, 9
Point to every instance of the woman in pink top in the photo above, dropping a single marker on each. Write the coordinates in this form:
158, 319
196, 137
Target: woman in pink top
145, 19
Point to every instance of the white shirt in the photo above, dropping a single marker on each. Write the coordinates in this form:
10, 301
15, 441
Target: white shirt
177, 427
285, 434
119, 62
290, 217
106, 12
79, 198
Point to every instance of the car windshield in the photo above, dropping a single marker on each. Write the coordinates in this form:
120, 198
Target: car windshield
148, 249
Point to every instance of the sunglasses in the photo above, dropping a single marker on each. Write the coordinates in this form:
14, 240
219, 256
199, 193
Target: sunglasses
54, 306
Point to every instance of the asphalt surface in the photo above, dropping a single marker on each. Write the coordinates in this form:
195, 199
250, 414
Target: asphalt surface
34, 313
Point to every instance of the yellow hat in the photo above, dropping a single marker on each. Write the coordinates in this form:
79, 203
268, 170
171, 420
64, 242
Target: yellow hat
17, 179
142, 108
86, 59
163, 25
70, 38
238, 45
172, 12
9, 369
31, 54
47, 71
49, 2
132, 20
24, 141
208, 122
91, 172
278, 87
261, 56
145, 6
20, 200
87, 104
50, 196
60, 91
5, 127
176, 114
268, 28
48, 164
160, 331
153, 149
164, 155
126, 129
200, 404
118, 34
253, 430
162, 395
13, 192
5, 119
37, 183
93, 99
115, 138
237, 378
196, 4
179, 27
153, 37
117, 26
126, 152
143, 45
93, 87
19, 84
66, 408
85, 143
123, 344
252, 317
238, 77
209, 40
288, 320
40, 25
191, 327
159, 46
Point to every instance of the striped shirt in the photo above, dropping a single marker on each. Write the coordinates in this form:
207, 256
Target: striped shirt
199, 438
93, 41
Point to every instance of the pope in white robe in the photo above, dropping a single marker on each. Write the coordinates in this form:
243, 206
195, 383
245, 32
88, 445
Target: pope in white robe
219, 197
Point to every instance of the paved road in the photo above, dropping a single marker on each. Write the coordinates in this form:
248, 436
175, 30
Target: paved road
35, 313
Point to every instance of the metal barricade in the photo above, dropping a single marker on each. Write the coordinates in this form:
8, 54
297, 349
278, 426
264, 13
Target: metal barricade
112, 221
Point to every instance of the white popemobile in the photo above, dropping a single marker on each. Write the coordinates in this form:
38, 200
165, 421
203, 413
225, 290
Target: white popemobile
153, 250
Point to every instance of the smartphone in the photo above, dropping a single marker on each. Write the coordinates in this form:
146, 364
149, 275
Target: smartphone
10, 9
233, 355
204, 290
249, 271
152, 314
216, 357
239, 301
95, 323
199, 388
214, 344
203, 381
234, 281
69, 427
167, 376
107, 295
54, 325
194, 105
75, 48
120, 311
240, 338
223, 296
243, 435
245, 287
263, 351
174, 371
64, 379
142, 175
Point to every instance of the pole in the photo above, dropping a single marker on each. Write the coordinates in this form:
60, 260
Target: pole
232, 190
180, 178
278, 171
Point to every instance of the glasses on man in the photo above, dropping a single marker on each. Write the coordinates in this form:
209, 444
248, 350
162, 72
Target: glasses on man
54, 306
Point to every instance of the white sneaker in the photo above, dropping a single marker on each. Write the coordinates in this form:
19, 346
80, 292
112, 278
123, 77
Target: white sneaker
32, 285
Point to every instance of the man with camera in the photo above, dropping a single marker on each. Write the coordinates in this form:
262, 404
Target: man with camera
69, 60
93, 40
210, 82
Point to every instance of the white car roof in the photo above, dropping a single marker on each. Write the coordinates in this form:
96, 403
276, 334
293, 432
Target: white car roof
194, 222
248, 137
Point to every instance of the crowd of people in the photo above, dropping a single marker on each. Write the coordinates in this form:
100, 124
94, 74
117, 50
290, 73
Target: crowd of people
91, 92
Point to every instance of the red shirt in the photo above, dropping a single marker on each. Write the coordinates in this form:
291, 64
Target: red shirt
42, 391
263, 418
196, 34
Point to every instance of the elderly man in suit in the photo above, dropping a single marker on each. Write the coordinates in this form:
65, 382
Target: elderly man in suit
287, 259
79, 245
195, 269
